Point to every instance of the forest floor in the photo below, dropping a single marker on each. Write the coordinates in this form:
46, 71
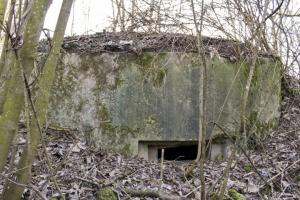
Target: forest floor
270, 171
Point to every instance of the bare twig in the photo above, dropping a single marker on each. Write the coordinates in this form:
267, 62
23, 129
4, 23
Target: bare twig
153, 194
30, 186
282, 172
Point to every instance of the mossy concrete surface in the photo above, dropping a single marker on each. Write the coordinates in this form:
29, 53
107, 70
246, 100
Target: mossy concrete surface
117, 99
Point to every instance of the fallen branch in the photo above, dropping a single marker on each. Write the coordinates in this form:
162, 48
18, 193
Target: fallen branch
153, 194
112, 181
30, 186
37, 191
279, 174
88, 181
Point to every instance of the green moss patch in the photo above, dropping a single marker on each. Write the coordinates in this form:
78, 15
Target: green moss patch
106, 194
235, 195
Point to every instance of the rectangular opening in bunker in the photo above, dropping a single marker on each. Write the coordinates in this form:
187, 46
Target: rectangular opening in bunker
182, 152
173, 150
179, 150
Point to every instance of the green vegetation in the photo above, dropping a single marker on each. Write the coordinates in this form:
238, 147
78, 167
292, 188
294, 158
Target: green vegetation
106, 194
151, 69
248, 168
235, 195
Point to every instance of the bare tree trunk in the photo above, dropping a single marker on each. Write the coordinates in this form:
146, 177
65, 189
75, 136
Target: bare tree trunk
15, 94
7, 58
118, 17
226, 173
133, 7
202, 99
3, 5
244, 101
5, 42
157, 26
41, 105
114, 17
151, 11
122, 15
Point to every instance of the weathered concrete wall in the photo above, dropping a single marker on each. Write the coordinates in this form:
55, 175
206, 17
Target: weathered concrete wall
121, 98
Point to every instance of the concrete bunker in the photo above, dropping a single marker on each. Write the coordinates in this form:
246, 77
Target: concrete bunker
136, 93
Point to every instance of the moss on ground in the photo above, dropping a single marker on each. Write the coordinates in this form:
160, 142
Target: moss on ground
248, 168
106, 194
235, 195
